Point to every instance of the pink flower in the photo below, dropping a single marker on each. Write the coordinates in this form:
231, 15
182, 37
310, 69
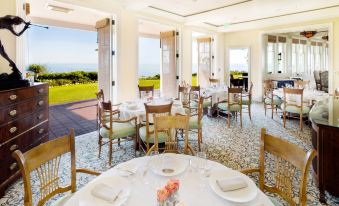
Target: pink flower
162, 195
172, 186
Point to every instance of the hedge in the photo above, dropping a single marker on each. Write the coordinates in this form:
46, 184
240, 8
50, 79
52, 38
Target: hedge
58, 79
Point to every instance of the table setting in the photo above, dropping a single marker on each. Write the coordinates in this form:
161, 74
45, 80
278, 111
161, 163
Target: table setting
309, 96
170, 180
217, 92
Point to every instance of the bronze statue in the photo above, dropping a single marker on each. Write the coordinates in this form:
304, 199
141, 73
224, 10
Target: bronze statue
9, 80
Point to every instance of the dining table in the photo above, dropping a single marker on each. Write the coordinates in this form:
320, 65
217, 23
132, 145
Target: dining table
136, 108
217, 92
309, 96
138, 180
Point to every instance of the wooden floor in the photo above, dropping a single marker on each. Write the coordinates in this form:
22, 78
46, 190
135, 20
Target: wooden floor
79, 115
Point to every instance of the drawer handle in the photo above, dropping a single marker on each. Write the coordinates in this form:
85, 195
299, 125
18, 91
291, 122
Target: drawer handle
13, 129
13, 97
13, 147
41, 131
13, 166
41, 102
12, 113
40, 90
40, 116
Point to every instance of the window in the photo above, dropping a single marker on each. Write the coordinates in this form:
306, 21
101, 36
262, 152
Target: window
270, 57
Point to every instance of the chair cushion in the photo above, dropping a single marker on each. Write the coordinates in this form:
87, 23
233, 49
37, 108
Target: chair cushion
142, 133
120, 130
276, 101
295, 109
62, 201
233, 108
207, 103
193, 123
245, 101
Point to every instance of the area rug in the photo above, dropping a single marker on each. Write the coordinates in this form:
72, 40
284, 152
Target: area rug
236, 148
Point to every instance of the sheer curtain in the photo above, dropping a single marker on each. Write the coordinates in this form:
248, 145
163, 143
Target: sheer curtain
168, 65
204, 61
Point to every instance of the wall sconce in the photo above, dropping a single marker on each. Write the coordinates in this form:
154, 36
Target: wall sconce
279, 56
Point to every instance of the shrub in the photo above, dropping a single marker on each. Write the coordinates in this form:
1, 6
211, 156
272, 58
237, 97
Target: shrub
57, 79
37, 69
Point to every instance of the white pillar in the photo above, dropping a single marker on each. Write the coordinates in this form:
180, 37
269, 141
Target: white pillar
127, 56
219, 70
186, 54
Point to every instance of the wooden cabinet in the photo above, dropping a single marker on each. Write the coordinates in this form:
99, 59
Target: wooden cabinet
325, 140
23, 125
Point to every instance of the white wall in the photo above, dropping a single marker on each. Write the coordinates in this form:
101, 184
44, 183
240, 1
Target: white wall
8, 39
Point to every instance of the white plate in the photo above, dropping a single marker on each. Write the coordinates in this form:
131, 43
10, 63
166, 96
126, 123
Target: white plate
165, 162
240, 196
87, 199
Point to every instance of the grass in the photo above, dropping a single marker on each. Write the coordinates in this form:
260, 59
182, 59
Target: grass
72, 93
156, 82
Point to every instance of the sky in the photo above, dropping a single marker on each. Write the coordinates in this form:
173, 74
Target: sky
60, 45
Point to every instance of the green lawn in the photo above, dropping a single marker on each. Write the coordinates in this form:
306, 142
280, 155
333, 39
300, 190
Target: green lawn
72, 93
156, 83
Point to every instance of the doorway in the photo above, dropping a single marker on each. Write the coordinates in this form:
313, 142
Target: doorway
239, 67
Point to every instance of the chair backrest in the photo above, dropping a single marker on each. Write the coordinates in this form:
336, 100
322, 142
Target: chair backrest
298, 101
214, 81
105, 110
155, 110
146, 89
234, 97
317, 77
324, 79
169, 125
302, 84
45, 161
268, 89
288, 159
194, 93
184, 94
100, 95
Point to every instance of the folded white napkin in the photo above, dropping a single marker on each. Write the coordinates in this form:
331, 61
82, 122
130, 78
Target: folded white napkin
231, 184
105, 192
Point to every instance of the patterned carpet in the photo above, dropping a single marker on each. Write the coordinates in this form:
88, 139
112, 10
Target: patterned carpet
235, 148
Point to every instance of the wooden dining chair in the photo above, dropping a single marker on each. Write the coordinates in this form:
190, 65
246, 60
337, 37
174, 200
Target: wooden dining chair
145, 90
183, 95
233, 104
302, 84
45, 161
115, 130
146, 131
195, 95
288, 160
195, 121
169, 126
247, 100
271, 101
295, 106
214, 81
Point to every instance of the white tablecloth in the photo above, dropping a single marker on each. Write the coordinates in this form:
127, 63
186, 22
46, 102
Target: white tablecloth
309, 95
191, 192
218, 93
126, 112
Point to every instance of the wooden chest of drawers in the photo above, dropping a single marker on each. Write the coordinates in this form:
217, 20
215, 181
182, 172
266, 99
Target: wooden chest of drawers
23, 125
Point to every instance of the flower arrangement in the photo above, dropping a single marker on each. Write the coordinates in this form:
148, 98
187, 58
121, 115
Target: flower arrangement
168, 195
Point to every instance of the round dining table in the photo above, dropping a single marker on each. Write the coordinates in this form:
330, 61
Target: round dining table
141, 183
218, 93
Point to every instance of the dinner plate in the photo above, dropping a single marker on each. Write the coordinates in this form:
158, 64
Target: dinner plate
87, 199
168, 165
238, 196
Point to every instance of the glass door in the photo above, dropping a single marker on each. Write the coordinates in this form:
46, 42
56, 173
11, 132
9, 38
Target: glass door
239, 66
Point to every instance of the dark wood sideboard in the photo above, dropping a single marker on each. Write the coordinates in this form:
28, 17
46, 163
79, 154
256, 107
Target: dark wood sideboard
23, 125
325, 140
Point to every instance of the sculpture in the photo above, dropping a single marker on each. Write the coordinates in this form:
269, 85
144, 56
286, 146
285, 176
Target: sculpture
13, 79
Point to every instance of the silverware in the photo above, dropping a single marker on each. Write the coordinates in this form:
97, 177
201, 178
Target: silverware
116, 197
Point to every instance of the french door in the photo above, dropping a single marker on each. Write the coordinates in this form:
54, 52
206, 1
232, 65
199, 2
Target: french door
204, 61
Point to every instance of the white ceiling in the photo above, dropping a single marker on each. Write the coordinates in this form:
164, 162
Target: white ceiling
153, 28
221, 15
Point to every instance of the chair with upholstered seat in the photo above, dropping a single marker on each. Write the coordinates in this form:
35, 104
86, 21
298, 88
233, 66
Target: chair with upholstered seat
169, 126
247, 100
195, 96
285, 160
324, 81
271, 101
294, 103
115, 129
45, 161
195, 122
145, 90
233, 104
146, 132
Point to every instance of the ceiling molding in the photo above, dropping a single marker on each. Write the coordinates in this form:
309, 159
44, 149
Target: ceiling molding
201, 12
277, 16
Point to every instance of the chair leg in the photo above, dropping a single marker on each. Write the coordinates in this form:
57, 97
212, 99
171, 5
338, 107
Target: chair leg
110, 152
249, 111
236, 116
284, 119
100, 141
119, 142
272, 107
301, 122
241, 118
228, 118
199, 140
265, 108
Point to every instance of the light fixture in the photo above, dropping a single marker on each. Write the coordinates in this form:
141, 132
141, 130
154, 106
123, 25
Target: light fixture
58, 8
308, 34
